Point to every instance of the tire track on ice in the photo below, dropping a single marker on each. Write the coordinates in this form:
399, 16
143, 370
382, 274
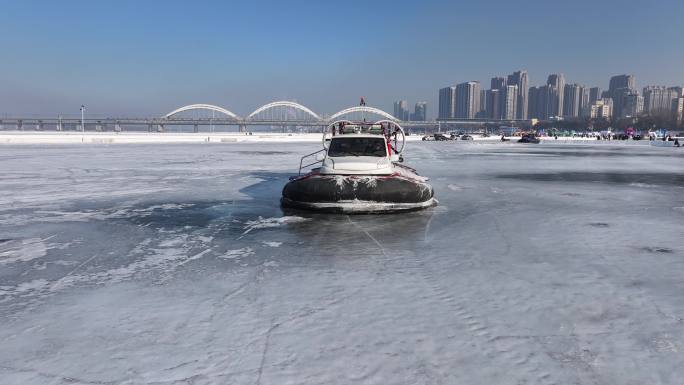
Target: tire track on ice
379, 265
480, 332
482, 336
267, 343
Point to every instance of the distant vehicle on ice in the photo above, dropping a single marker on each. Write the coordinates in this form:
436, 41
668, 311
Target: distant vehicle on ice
440, 137
528, 138
435, 137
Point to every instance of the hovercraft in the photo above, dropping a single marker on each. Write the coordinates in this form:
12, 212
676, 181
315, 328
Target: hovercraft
360, 172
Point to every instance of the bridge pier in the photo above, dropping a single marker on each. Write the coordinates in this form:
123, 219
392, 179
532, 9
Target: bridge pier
160, 128
98, 126
149, 128
242, 128
39, 125
20, 125
195, 128
117, 127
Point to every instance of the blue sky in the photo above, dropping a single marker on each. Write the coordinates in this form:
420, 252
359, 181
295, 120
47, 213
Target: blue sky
141, 58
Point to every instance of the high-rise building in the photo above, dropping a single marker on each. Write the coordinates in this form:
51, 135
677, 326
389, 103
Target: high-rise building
620, 87
583, 100
509, 100
594, 94
633, 105
447, 103
551, 96
467, 100
532, 111
493, 110
419, 112
543, 102
495, 95
622, 81
520, 79
401, 110
557, 81
497, 83
658, 99
678, 109
482, 114
619, 97
602, 108
571, 100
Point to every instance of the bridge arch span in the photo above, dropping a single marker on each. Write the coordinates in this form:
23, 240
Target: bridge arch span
284, 103
209, 107
371, 110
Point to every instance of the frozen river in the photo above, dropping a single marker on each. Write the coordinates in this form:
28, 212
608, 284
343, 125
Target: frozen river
174, 264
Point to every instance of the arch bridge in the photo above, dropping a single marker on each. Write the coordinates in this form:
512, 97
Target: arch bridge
284, 114
281, 112
201, 107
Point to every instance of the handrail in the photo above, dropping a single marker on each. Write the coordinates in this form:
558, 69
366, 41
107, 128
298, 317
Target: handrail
310, 164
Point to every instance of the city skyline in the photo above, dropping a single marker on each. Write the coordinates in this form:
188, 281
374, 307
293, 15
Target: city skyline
133, 58
558, 99
509, 107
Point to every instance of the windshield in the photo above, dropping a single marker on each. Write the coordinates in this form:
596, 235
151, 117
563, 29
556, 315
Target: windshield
357, 147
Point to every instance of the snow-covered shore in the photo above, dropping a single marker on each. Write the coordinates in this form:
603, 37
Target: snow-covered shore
42, 137
62, 137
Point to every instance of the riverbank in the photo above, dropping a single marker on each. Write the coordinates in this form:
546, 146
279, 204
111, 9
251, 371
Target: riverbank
62, 137
23, 137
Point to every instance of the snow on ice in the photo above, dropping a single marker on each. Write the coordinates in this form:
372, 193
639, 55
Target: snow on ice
174, 264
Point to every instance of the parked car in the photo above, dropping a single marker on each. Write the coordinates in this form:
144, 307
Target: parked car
466, 137
439, 136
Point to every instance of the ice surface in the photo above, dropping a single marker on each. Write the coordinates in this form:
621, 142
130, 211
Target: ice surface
174, 264
264, 223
